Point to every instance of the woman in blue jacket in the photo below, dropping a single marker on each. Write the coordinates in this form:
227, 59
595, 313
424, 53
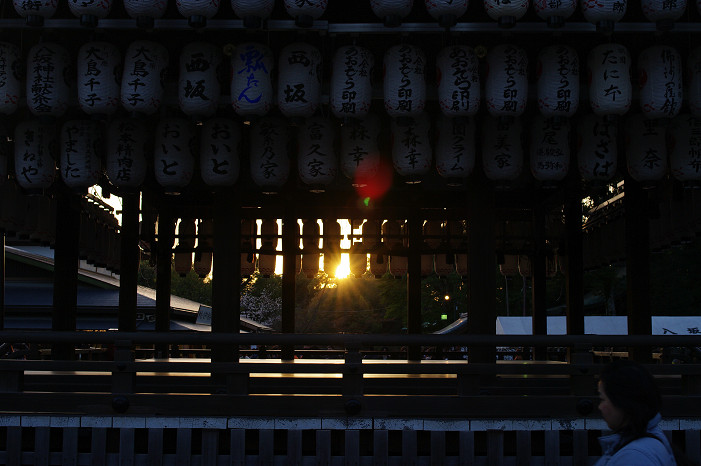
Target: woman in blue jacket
630, 404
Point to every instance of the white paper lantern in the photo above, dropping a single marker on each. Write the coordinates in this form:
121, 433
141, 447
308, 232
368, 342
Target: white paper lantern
248, 257
446, 12
145, 11
685, 148
663, 12
90, 11
35, 11
10, 79
458, 241
455, 148
35, 158
510, 266
411, 148
525, 266
394, 242
202, 264
550, 148
646, 148
554, 12
48, 74
506, 12
350, 93
693, 92
506, 84
251, 84
269, 243
457, 70
604, 13
145, 64
219, 152
404, 81
253, 12
317, 163
360, 154
182, 256
558, 81
198, 86
610, 89
391, 11
81, 153
127, 145
305, 12
502, 150
372, 239
310, 247
99, 68
660, 81
299, 80
197, 12
270, 164
597, 150
173, 162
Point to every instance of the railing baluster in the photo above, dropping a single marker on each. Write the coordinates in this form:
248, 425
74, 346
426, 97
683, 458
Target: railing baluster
352, 447
552, 447
155, 446
580, 447
467, 447
98, 446
210, 446
437, 447
323, 447
409, 447
266, 447
183, 450
380, 447
495, 447
14, 446
126, 446
523, 447
238, 447
41, 446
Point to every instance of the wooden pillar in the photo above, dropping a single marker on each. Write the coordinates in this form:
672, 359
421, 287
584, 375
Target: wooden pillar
482, 266
574, 268
164, 257
637, 236
129, 262
538, 290
2, 282
290, 248
413, 282
66, 261
226, 276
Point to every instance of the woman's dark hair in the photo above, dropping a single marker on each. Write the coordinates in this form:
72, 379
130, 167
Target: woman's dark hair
632, 389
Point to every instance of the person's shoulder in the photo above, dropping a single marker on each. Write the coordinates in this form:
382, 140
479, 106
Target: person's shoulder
644, 451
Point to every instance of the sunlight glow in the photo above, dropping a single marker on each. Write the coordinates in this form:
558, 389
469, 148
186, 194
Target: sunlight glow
343, 269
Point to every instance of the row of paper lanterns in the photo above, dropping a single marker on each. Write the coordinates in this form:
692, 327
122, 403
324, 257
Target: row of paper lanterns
382, 250
392, 12
653, 148
298, 91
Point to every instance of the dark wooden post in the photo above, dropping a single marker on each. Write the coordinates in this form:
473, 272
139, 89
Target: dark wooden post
538, 290
413, 282
290, 248
582, 384
164, 257
226, 267
129, 262
574, 263
66, 262
482, 266
637, 236
2, 284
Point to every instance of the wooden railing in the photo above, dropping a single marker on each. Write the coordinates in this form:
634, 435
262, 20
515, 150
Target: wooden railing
357, 384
